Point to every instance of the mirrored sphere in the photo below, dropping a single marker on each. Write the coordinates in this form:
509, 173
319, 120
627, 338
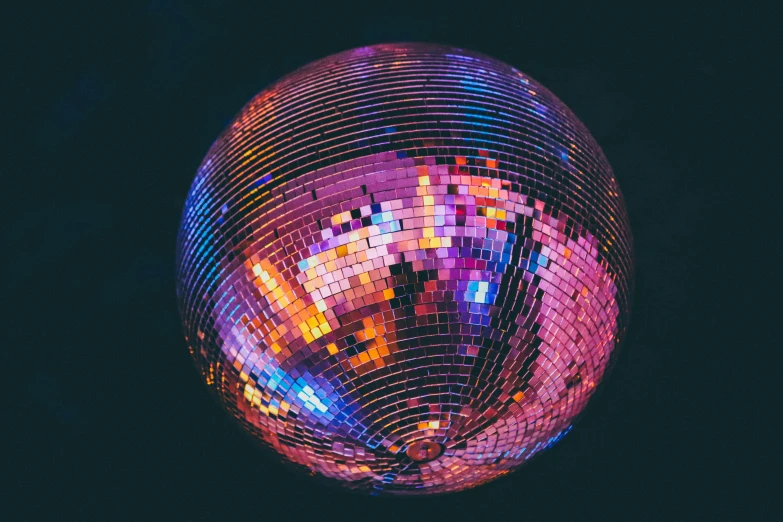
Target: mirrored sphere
405, 267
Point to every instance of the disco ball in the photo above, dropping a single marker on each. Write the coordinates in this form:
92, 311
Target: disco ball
405, 267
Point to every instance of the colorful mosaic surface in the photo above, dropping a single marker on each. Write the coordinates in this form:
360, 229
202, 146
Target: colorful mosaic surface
405, 267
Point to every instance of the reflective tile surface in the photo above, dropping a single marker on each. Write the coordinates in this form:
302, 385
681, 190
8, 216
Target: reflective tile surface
405, 267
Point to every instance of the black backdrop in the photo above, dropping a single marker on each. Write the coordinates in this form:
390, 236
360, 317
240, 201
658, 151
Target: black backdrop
112, 109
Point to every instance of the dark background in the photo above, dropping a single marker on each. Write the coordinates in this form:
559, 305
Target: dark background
113, 106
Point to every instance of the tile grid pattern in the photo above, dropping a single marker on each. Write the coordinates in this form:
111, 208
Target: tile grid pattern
399, 244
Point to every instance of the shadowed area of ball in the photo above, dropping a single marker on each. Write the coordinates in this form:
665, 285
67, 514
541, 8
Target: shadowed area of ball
405, 267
